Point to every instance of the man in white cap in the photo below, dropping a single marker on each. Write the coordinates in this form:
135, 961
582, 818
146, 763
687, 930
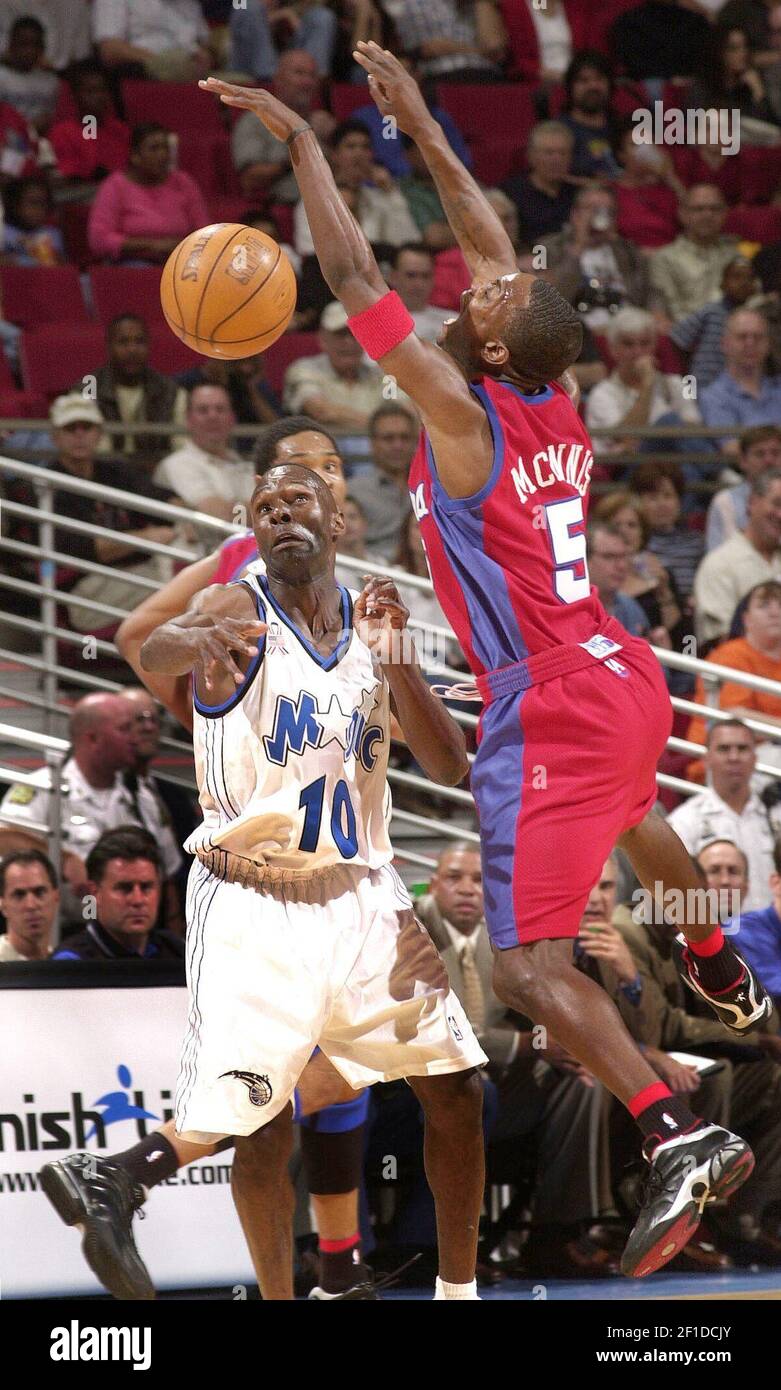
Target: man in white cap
76, 430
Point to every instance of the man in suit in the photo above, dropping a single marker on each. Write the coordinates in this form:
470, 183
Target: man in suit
545, 1104
632, 951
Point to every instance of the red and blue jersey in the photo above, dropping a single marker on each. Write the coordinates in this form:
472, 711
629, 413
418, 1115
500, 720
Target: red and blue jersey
235, 553
509, 563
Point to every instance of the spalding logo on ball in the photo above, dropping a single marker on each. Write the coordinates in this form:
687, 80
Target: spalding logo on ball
228, 290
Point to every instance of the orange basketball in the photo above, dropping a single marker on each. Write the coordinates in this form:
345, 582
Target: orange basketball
228, 290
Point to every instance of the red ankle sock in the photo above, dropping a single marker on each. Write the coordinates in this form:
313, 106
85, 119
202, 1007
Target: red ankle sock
660, 1115
340, 1263
710, 946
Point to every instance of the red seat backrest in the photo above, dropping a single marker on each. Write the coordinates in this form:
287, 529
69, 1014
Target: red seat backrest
285, 350
179, 106
168, 354
55, 357
119, 289
35, 295
346, 97
760, 174
483, 111
74, 220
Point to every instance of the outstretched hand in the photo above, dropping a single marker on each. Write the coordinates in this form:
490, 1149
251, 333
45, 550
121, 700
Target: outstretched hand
380, 618
276, 117
215, 643
395, 92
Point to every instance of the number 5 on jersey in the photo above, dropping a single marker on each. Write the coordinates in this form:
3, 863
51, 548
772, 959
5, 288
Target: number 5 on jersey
568, 549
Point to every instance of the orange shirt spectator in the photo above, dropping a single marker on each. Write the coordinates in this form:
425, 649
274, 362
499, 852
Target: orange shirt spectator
758, 653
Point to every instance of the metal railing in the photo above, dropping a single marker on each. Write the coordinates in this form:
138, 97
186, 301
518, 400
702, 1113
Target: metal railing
55, 677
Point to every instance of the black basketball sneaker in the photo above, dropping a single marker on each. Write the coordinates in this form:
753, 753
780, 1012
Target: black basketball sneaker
686, 1172
742, 1008
101, 1199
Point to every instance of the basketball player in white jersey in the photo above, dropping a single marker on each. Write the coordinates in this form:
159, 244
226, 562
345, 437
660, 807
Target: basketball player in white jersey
299, 931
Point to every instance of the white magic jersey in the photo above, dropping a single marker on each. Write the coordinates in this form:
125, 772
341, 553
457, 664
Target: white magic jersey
292, 768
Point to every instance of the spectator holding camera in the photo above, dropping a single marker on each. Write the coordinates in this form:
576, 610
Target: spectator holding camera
592, 266
687, 272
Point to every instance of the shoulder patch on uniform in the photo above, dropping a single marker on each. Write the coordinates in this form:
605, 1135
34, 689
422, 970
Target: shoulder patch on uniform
20, 794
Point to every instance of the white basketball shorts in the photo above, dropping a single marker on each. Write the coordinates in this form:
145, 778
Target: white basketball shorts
338, 961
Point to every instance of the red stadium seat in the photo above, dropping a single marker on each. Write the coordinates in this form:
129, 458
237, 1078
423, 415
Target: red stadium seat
231, 207
482, 111
760, 174
14, 402
285, 350
168, 354
119, 289
57, 355
346, 97
283, 216
495, 159
74, 220
754, 223
65, 108
179, 106
35, 295
201, 156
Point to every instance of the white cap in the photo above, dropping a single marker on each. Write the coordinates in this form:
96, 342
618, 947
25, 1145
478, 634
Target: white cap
66, 410
334, 317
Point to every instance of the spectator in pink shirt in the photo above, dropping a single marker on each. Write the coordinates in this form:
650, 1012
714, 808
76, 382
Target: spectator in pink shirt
86, 154
139, 216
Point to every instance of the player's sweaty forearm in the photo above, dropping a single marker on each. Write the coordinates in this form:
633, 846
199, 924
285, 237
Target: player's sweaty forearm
484, 243
430, 732
172, 648
346, 258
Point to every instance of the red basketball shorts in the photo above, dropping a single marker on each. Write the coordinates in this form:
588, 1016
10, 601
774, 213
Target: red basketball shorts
562, 769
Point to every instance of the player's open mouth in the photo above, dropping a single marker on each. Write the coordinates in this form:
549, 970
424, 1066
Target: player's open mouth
288, 538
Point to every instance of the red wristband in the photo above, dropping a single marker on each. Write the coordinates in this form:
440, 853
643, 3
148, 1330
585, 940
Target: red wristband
380, 328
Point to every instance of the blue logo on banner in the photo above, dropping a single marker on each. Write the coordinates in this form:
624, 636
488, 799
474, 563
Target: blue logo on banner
117, 1105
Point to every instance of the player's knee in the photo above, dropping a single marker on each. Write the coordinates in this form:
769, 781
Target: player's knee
266, 1149
454, 1101
526, 977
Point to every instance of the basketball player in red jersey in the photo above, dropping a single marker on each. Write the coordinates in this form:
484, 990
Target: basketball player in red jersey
576, 712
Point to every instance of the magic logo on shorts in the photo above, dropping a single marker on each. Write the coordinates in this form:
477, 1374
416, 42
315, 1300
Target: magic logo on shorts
259, 1087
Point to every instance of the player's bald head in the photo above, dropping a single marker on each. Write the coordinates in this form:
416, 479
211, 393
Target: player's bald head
91, 713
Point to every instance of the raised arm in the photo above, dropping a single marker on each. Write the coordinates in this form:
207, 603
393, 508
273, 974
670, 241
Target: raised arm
216, 639
427, 374
485, 245
173, 599
431, 733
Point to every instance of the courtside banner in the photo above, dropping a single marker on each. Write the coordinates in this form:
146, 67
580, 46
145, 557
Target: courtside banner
95, 1069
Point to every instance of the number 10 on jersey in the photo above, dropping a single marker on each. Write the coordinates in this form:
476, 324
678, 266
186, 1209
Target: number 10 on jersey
343, 827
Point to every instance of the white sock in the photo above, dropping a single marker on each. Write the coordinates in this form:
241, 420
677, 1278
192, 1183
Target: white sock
444, 1291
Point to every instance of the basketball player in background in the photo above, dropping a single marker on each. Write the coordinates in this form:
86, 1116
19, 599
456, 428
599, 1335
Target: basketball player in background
299, 931
499, 486
103, 1195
